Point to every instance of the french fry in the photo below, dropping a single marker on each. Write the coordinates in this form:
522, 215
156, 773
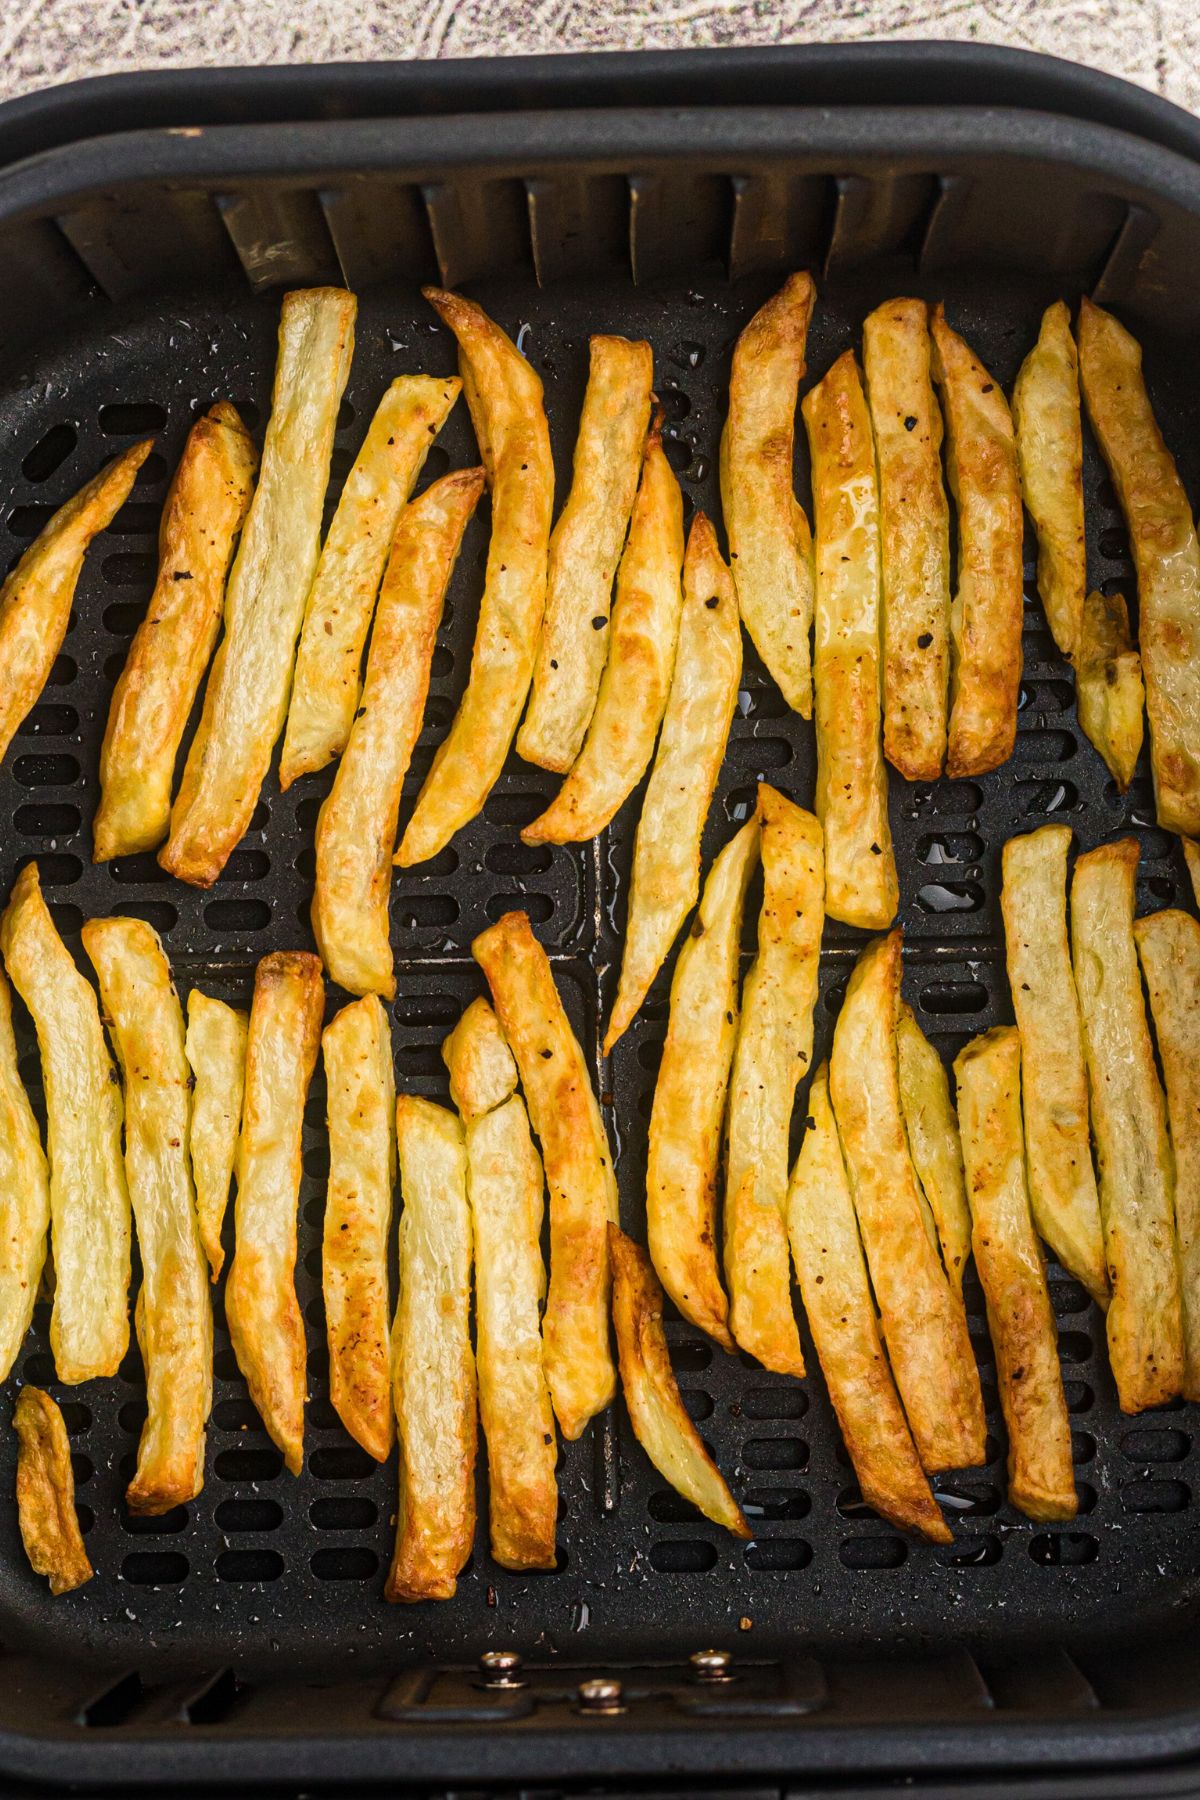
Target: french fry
579, 1170
1168, 946
246, 699
1062, 1182
35, 600
505, 398
174, 1312
924, 1325
480, 1063
861, 886
1129, 1125
585, 548
46, 1493
24, 1198
357, 1049
933, 1142
153, 697
1108, 685
773, 1054
265, 1323
89, 1199
691, 749
356, 826
641, 657
914, 533
216, 1051
841, 1316
1049, 429
656, 1412
1191, 857
988, 609
433, 1369
689, 1095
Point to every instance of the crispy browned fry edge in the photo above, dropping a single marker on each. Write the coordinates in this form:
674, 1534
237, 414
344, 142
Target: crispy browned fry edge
263, 1314
476, 1053
152, 700
579, 1170
933, 1141
215, 1042
24, 1197
656, 1412
914, 532
1129, 1125
46, 1493
1108, 685
1041, 1481
841, 1316
1049, 429
988, 609
356, 826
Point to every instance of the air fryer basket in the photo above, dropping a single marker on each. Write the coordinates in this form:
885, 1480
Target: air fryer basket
245, 1635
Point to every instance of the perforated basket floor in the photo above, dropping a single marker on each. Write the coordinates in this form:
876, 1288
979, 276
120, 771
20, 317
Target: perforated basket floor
266, 1570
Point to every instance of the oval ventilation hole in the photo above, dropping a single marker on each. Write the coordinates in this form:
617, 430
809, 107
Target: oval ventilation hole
740, 804
341, 1462
420, 1059
674, 402
25, 522
342, 1513
246, 865
76, 1417
344, 1562
775, 1453
237, 915
967, 1499
316, 1165
239, 1414
1042, 746
129, 569
39, 1369
776, 1503
58, 869
155, 1568
416, 912
82, 1467
132, 1416
1155, 1446
68, 920
697, 1404
970, 1553
872, 1552
34, 771
1074, 1346
1083, 1447
1079, 1396
132, 418
50, 452
340, 464
346, 415
248, 1515
952, 799
1156, 846
954, 848
154, 469
48, 821
670, 1508
762, 702
1038, 798
137, 518
539, 907
314, 1312
307, 810
1041, 651
63, 671
774, 1403
139, 870
429, 1011
690, 1356
515, 809
249, 1565
518, 859
437, 464
683, 1556
47, 720
766, 754
649, 1054
1063, 1549
320, 1413
1068, 1297
950, 896
953, 997
1047, 696
160, 913
442, 665
1114, 543
155, 1524
778, 1553
225, 1366
248, 1464
439, 708
86, 1517
1155, 1496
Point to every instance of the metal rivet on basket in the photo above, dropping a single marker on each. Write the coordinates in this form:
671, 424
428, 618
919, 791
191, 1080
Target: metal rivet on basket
711, 1665
601, 1696
502, 1669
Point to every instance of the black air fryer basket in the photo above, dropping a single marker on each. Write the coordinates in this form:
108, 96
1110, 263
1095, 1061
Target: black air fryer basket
147, 228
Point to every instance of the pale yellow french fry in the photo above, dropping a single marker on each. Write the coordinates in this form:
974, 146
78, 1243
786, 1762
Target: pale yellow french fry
1129, 1125
265, 1322
1108, 685
153, 697
356, 826
1191, 856
480, 1063
770, 544
505, 398
691, 749
1046, 417
216, 1051
933, 1142
24, 1198
89, 1199
46, 1511
988, 609
914, 530
174, 1312
246, 699
689, 1095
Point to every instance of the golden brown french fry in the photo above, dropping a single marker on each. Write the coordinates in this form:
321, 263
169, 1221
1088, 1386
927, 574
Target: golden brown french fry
1046, 417
46, 1493
1041, 1481
861, 887
476, 1053
89, 1199
1169, 948
216, 1052
24, 1197
1062, 1182
579, 1171
1129, 1125
841, 1316
656, 1412
988, 609
933, 1142
35, 601
691, 749
689, 1096
924, 1324
505, 398
356, 827
361, 1105
773, 1054
174, 1313
153, 697
641, 657
246, 698
585, 548
265, 1323
433, 1370
1108, 685
1191, 856
914, 533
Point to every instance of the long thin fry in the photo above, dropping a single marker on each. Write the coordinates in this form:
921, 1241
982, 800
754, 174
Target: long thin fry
1046, 417
216, 1051
1108, 685
24, 1197
46, 1493
933, 1142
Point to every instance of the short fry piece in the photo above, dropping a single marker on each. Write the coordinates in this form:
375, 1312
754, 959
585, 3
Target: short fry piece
482, 1071
356, 827
174, 1312
841, 1316
1129, 1124
357, 1049
656, 1412
933, 1142
579, 1171
1041, 1482
265, 1323
216, 1052
433, 1369
691, 749
505, 398
988, 609
24, 1197
1108, 685
153, 697
914, 530
46, 1493
1046, 417
89, 1200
